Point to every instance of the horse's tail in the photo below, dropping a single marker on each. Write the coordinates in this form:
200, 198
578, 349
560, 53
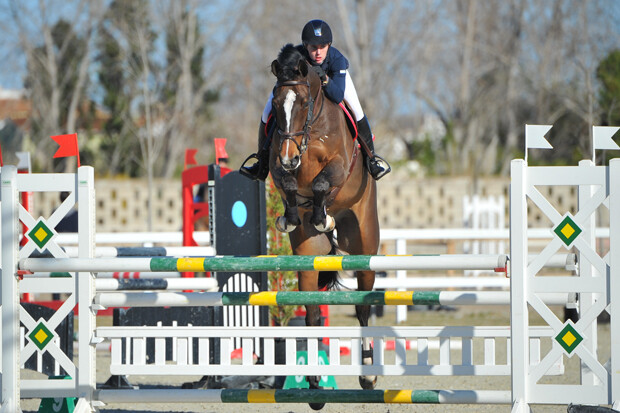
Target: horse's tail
329, 279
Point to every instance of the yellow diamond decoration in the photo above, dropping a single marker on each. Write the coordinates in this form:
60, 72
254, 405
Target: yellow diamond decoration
567, 231
569, 338
41, 335
41, 234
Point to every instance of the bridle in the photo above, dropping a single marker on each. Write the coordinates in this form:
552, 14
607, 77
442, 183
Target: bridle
302, 147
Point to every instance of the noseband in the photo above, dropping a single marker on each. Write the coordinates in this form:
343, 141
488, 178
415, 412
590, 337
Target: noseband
310, 118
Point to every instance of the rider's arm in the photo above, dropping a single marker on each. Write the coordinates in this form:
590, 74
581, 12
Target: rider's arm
336, 72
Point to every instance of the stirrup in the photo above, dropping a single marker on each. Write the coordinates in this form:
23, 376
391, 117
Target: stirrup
252, 170
258, 170
378, 167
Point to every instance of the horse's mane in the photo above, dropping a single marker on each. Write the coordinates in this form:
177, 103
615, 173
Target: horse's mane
288, 59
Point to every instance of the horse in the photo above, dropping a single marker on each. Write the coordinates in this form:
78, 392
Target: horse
329, 198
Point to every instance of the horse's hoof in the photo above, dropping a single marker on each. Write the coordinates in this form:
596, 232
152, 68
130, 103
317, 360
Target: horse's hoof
368, 382
330, 224
313, 383
282, 225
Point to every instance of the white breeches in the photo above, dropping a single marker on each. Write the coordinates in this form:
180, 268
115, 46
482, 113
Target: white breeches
350, 96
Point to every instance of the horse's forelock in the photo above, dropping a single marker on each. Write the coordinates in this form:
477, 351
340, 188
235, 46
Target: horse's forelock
288, 59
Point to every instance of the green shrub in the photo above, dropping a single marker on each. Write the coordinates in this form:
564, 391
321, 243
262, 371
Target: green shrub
278, 244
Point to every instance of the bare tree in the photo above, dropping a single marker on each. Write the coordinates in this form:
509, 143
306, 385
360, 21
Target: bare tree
566, 48
188, 92
482, 68
59, 59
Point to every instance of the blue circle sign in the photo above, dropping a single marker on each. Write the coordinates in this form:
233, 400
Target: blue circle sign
239, 214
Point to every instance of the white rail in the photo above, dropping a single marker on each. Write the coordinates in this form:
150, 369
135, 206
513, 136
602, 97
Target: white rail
476, 345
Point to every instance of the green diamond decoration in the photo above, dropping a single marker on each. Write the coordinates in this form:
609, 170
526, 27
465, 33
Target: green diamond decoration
569, 338
567, 230
40, 234
40, 336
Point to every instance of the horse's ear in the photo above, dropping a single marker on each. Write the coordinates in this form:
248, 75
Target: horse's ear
275, 68
303, 67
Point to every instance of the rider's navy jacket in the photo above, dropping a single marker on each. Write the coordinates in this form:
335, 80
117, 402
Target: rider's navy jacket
335, 66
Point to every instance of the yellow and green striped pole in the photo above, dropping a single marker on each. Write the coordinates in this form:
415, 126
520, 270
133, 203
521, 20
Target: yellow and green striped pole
269, 263
329, 396
272, 298
306, 396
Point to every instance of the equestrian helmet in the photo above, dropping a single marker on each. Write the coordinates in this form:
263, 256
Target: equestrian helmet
316, 32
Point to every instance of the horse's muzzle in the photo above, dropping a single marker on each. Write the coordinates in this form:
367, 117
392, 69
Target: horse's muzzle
290, 164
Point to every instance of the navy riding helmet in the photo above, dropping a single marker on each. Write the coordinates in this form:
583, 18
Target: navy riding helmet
316, 32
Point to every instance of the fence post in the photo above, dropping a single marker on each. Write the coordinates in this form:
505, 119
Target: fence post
10, 292
85, 286
518, 286
587, 269
614, 278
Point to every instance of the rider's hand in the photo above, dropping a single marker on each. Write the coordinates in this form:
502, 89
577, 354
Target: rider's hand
322, 75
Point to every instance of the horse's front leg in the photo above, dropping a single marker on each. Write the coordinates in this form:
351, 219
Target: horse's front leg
290, 220
365, 282
321, 221
331, 176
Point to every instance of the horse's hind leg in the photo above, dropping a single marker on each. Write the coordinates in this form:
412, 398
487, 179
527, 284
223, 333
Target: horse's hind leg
306, 240
365, 281
308, 281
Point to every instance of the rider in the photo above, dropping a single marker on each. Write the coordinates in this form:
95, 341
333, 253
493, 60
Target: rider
332, 67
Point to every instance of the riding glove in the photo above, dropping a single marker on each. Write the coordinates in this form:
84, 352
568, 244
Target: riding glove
322, 75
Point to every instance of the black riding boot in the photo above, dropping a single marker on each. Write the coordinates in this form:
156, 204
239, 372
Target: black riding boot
376, 165
259, 169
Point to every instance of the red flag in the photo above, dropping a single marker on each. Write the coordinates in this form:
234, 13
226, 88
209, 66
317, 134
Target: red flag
68, 146
220, 149
190, 157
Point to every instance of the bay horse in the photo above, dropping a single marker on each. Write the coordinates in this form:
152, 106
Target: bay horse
330, 200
